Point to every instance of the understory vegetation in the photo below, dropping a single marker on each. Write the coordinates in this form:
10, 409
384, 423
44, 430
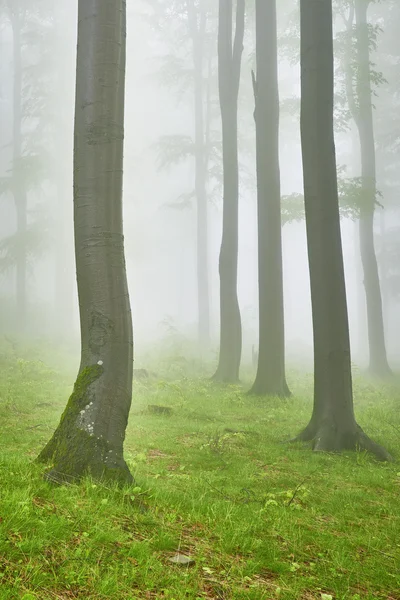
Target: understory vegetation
258, 518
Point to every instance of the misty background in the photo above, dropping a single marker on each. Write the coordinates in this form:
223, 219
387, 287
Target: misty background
159, 212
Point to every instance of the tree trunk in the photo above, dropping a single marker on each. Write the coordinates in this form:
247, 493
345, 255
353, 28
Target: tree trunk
19, 190
332, 426
229, 65
197, 31
90, 436
270, 378
383, 268
378, 363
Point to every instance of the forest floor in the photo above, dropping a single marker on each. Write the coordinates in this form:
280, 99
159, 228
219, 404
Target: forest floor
258, 518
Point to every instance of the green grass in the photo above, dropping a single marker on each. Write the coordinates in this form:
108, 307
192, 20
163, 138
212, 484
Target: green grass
260, 518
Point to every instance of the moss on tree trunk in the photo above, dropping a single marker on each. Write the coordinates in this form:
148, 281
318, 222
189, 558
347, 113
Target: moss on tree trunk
74, 450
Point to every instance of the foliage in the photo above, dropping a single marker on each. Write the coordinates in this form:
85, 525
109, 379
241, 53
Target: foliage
260, 519
351, 198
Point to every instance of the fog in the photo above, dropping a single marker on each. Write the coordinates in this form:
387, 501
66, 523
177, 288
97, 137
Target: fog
160, 236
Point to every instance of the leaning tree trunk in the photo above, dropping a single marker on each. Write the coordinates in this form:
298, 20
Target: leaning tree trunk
18, 185
229, 65
197, 32
378, 363
333, 426
270, 378
90, 436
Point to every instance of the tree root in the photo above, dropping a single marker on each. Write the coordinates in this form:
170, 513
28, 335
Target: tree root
329, 438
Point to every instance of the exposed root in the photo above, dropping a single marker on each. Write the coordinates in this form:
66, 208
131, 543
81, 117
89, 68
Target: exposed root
329, 438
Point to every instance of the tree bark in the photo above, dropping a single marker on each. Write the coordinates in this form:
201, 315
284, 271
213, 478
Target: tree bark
19, 189
197, 25
378, 363
270, 378
229, 66
332, 426
90, 436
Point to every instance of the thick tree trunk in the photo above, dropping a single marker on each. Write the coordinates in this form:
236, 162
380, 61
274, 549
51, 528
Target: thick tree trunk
378, 363
333, 426
270, 378
197, 24
90, 436
229, 65
19, 191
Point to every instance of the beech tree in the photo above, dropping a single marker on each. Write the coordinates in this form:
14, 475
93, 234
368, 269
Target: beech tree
90, 435
332, 426
229, 67
363, 115
357, 40
270, 378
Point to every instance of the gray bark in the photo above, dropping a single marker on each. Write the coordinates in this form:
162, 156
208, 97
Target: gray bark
332, 426
229, 66
378, 363
270, 378
90, 436
360, 104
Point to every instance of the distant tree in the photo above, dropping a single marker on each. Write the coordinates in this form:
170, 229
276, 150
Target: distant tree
359, 74
229, 67
188, 67
270, 378
19, 190
29, 177
89, 438
332, 426
197, 26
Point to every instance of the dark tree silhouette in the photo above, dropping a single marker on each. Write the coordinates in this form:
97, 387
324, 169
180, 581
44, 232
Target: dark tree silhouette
332, 426
270, 378
378, 363
90, 435
229, 66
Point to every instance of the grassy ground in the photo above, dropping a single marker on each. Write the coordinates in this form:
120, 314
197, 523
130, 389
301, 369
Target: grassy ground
260, 519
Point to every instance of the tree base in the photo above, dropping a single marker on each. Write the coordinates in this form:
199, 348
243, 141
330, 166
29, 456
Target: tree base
75, 451
87, 457
326, 437
221, 376
263, 388
381, 372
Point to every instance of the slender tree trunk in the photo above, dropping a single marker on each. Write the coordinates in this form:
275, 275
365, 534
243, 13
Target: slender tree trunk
270, 378
229, 66
19, 190
384, 271
197, 22
332, 426
90, 436
363, 114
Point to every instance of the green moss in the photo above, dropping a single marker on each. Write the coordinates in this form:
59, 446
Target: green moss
73, 451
